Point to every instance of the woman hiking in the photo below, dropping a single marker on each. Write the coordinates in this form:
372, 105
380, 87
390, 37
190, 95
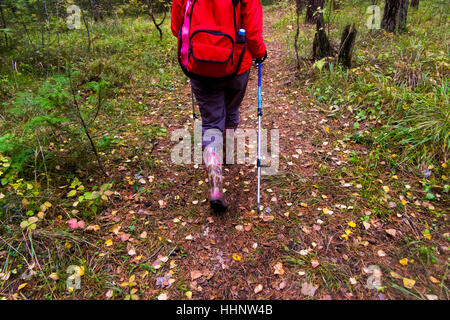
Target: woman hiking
217, 42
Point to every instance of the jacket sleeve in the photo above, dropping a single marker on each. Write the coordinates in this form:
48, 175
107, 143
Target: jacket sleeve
176, 16
252, 22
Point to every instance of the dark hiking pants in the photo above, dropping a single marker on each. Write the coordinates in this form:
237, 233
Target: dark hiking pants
219, 103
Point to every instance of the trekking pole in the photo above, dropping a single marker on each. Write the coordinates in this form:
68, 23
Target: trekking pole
258, 161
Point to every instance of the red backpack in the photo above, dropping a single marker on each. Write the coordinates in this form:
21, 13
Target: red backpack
207, 48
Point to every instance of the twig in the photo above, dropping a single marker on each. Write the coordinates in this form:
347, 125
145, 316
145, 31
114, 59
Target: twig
154, 254
15, 250
83, 123
43, 159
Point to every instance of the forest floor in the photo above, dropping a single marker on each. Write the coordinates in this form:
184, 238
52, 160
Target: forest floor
320, 234
317, 237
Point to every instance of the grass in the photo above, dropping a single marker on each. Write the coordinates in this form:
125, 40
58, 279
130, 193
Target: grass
143, 74
397, 89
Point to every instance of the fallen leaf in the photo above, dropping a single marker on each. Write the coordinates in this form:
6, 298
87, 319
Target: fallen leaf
266, 218
124, 237
404, 261
258, 288
308, 289
282, 285
434, 280
392, 232
396, 275
278, 268
236, 257
408, 283
381, 253
22, 286
162, 296
95, 227
53, 276
195, 274
314, 263
115, 229
109, 293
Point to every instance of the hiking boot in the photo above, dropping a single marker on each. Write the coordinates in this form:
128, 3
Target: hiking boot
214, 170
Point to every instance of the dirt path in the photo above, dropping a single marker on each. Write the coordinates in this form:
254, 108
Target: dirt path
231, 255
306, 244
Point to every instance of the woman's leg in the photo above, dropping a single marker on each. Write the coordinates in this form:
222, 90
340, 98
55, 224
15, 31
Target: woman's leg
211, 101
234, 94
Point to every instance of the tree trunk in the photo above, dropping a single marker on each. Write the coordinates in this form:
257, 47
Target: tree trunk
3, 22
336, 4
311, 8
321, 44
96, 10
347, 44
402, 15
395, 14
299, 8
415, 4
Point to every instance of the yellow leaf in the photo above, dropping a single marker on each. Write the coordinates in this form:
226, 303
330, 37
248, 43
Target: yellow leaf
404, 202
395, 275
22, 286
409, 283
352, 224
67, 245
108, 243
304, 205
236, 257
258, 288
404, 261
434, 280
386, 189
188, 294
81, 271
279, 268
327, 129
53, 276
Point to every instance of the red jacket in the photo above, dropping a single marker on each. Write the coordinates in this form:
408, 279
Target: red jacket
252, 22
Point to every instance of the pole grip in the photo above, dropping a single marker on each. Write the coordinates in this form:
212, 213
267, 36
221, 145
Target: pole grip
259, 74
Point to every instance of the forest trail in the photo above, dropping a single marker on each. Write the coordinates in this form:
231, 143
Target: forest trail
235, 255
317, 237
357, 209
